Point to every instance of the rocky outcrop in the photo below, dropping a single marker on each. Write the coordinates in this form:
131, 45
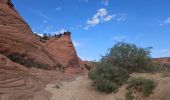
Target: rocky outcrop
23, 56
63, 51
20, 45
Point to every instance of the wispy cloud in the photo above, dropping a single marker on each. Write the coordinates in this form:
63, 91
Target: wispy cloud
166, 21
102, 16
108, 18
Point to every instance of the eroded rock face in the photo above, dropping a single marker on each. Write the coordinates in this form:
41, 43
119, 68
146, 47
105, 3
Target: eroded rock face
63, 51
20, 45
20, 50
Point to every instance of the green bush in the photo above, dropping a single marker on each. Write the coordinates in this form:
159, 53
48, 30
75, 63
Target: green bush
107, 78
114, 67
104, 85
145, 86
129, 56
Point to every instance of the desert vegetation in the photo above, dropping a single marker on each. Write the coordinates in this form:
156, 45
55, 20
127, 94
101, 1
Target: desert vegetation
141, 85
115, 67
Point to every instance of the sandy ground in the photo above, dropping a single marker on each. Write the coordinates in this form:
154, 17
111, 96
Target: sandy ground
79, 89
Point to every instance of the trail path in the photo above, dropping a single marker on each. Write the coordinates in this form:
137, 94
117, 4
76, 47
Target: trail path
78, 89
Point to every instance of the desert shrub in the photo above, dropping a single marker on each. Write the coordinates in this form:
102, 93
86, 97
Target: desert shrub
106, 77
104, 85
129, 56
115, 67
129, 96
145, 86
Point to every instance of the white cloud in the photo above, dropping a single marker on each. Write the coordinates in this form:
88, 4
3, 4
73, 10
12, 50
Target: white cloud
166, 21
101, 12
108, 18
103, 16
97, 18
93, 21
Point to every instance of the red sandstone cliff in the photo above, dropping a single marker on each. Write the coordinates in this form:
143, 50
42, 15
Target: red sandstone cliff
20, 44
20, 50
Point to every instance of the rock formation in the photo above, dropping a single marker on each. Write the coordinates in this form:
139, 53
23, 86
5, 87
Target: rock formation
23, 58
17, 38
20, 45
63, 51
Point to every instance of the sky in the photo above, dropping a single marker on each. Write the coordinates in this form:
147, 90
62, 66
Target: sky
96, 25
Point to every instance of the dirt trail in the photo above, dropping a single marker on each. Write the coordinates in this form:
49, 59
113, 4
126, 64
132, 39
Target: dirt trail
79, 89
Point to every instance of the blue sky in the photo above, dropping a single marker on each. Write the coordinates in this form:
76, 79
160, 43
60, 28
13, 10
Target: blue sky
97, 25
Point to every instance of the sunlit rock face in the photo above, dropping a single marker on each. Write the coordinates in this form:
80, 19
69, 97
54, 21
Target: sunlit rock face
18, 41
62, 49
